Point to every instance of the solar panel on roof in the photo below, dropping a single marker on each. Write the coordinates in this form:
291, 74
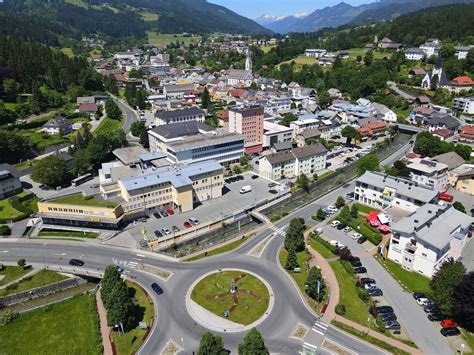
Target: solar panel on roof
429, 163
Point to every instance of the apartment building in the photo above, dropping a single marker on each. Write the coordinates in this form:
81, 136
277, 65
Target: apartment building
464, 104
382, 191
429, 173
185, 115
274, 133
248, 121
10, 183
307, 160
422, 241
192, 142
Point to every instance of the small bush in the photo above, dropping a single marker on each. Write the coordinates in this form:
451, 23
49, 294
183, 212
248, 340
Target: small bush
5, 230
340, 309
363, 295
347, 266
21, 262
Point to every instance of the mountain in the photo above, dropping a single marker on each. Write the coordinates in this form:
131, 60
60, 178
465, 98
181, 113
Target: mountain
343, 13
265, 20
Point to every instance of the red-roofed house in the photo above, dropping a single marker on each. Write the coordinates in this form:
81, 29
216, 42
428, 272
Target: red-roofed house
412, 155
88, 108
461, 83
223, 118
373, 128
467, 133
442, 133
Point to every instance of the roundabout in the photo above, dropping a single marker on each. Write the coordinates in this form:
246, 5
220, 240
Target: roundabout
229, 300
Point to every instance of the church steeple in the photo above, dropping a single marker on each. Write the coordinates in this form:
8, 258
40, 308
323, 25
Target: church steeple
248, 61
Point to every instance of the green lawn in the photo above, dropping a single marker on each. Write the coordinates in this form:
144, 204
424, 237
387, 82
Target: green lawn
411, 281
69, 327
131, 340
59, 233
7, 211
300, 60
42, 140
469, 337
149, 16
267, 48
68, 52
354, 52
80, 3
250, 307
80, 200
363, 227
10, 105
108, 126
364, 208
321, 249
356, 309
44, 277
12, 273
223, 249
162, 40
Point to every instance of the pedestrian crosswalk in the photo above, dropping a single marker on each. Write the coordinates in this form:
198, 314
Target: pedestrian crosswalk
320, 327
277, 230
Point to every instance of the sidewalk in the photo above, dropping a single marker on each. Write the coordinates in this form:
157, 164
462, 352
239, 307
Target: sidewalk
104, 329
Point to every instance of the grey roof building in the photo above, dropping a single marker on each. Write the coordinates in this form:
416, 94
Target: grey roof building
189, 114
451, 159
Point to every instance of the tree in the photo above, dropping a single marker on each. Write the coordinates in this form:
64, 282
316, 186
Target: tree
340, 202
144, 139
11, 88
98, 114
121, 308
370, 162
345, 214
368, 58
287, 119
463, 309
245, 160
21, 263
137, 127
294, 236
393, 131
110, 278
113, 111
314, 276
205, 99
50, 171
320, 214
291, 259
354, 211
444, 283
210, 344
349, 133
463, 150
459, 206
447, 51
253, 344
402, 169
303, 182
13, 146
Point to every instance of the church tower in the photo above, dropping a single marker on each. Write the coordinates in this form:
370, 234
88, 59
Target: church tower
248, 61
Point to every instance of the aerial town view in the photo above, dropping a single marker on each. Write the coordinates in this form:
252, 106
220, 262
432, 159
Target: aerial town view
243, 177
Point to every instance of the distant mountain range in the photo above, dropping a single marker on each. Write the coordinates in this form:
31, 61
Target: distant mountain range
343, 13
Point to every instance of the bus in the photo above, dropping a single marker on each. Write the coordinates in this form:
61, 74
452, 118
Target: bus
81, 179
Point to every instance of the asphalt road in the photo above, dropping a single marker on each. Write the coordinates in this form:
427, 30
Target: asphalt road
130, 116
393, 86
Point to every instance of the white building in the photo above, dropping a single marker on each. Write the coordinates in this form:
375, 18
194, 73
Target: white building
431, 47
189, 114
178, 91
382, 191
422, 241
292, 163
315, 53
238, 77
429, 173
461, 51
414, 54
384, 112
304, 122
275, 133
276, 104
464, 104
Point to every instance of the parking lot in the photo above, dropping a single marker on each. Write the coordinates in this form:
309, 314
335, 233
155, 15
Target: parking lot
232, 202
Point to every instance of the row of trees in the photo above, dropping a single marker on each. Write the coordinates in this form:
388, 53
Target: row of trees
252, 344
429, 145
136, 97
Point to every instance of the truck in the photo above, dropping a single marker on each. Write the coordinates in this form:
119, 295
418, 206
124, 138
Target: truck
245, 189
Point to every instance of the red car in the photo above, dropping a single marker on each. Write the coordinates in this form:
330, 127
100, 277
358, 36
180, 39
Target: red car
448, 324
446, 197
187, 225
170, 211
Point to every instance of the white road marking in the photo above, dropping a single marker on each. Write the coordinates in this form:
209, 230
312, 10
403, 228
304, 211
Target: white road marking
114, 260
310, 345
321, 325
133, 263
138, 259
81, 256
63, 254
4, 251
318, 331
141, 255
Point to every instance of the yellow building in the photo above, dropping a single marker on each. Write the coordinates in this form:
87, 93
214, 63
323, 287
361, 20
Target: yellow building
465, 182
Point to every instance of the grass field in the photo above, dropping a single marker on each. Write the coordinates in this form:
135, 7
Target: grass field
162, 40
149, 16
42, 140
108, 125
44, 277
354, 52
356, 310
321, 249
223, 249
78, 199
249, 307
74, 234
12, 273
411, 281
267, 48
80, 3
131, 340
10, 105
69, 327
7, 211
68, 52
300, 60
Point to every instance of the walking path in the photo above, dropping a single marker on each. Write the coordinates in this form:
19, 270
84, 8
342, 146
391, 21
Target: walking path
31, 273
104, 329
330, 313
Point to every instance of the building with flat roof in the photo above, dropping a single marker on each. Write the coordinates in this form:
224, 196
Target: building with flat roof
423, 240
248, 121
184, 115
429, 173
274, 133
307, 160
192, 141
10, 183
382, 191
178, 91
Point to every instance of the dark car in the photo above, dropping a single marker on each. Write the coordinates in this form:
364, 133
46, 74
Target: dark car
175, 228
375, 292
435, 317
228, 180
449, 332
341, 226
354, 258
274, 192
164, 214
157, 215
254, 177
381, 310
392, 324
239, 177
387, 317
272, 184
431, 308
158, 234
417, 295
366, 280
361, 240
76, 262
360, 270
158, 290
356, 263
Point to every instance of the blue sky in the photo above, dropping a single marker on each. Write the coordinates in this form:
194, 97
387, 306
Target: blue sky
255, 8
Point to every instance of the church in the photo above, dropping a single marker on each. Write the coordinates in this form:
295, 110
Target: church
435, 78
239, 77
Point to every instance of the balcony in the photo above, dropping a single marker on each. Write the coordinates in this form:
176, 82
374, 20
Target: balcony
410, 248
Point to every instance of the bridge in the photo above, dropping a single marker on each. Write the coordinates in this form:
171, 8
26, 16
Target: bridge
409, 129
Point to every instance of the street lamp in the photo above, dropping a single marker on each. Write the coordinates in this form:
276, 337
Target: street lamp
462, 348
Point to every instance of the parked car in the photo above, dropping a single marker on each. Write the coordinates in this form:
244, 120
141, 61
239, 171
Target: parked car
430, 308
254, 177
157, 215
356, 263
332, 208
187, 225
334, 224
418, 295
435, 316
158, 290
272, 184
158, 234
366, 280
361, 240
350, 196
446, 197
448, 323
385, 317
423, 301
170, 211
76, 262
392, 325
165, 231
164, 214
336, 243
370, 286
273, 192
360, 270
239, 177
353, 258
356, 236
347, 230
375, 292
449, 332
381, 310
175, 229
341, 226
194, 221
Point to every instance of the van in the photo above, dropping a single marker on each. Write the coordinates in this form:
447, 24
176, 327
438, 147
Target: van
245, 189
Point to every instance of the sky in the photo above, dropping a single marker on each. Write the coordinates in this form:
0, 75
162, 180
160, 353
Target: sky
255, 8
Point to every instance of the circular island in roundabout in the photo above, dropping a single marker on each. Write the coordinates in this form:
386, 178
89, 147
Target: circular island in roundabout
229, 300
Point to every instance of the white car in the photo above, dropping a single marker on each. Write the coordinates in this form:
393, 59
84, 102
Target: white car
370, 286
347, 230
332, 209
356, 236
423, 301
336, 243
334, 224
